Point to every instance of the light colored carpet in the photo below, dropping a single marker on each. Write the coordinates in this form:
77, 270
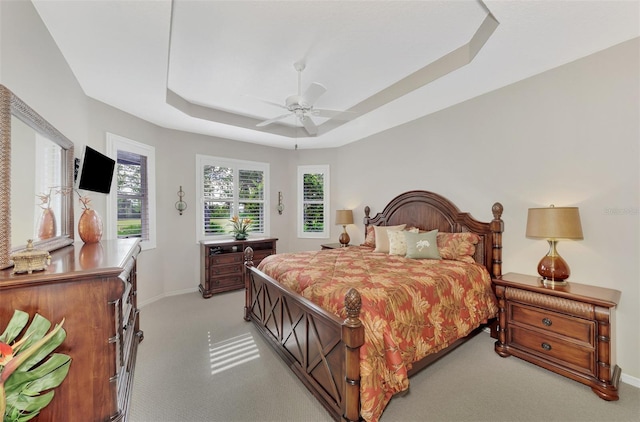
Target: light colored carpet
182, 375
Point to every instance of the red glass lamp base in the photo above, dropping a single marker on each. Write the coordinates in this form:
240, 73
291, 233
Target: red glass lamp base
553, 268
344, 238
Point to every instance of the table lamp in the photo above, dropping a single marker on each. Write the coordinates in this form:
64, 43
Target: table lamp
554, 223
344, 217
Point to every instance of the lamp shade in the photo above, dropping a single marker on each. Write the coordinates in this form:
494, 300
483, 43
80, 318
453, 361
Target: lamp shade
554, 223
344, 217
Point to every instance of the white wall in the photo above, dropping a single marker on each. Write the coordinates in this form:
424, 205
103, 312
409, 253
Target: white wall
568, 137
174, 266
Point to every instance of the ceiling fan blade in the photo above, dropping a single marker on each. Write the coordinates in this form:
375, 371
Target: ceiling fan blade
267, 101
314, 92
333, 114
309, 125
275, 119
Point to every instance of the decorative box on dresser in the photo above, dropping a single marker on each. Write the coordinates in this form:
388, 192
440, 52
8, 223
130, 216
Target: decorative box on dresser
566, 329
222, 263
93, 288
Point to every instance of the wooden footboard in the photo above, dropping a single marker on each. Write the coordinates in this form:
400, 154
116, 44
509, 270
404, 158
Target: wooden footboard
322, 350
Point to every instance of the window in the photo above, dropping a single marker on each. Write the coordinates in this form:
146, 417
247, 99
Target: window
231, 187
131, 203
48, 180
313, 201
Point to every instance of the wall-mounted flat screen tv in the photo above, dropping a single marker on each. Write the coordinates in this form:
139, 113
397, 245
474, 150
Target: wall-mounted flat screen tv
96, 171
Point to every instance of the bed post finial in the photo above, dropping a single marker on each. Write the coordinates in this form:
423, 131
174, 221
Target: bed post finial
497, 227
248, 256
353, 338
353, 304
497, 209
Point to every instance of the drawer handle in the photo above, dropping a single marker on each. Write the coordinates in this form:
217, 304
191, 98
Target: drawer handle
546, 346
547, 322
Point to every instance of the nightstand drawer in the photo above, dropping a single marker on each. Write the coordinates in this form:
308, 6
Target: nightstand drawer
568, 354
575, 328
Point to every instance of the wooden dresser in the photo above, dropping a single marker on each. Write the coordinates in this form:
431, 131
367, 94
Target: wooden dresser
93, 287
566, 329
222, 263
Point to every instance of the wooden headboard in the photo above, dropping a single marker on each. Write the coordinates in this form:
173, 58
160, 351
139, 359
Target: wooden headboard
429, 211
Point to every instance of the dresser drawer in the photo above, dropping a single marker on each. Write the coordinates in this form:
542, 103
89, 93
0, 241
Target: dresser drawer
566, 353
575, 328
228, 280
227, 258
225, 270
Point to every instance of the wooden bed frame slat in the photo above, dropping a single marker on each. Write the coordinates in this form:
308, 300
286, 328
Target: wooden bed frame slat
322, 350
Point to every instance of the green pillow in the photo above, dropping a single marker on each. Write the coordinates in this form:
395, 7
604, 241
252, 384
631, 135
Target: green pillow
422, 245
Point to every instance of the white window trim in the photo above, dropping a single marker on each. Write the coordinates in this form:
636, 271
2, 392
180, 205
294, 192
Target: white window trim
201, 161
302, 170
115, 143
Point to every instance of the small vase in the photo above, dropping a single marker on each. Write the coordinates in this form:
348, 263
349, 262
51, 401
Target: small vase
90, 226
47, 224
241, 236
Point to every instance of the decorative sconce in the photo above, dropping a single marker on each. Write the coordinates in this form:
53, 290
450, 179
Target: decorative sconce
181, 205
280, 204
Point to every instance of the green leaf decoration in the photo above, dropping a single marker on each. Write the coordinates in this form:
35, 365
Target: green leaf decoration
18, 321
38, 329
27, 380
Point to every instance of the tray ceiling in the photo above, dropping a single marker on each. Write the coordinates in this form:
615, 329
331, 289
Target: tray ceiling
214, 67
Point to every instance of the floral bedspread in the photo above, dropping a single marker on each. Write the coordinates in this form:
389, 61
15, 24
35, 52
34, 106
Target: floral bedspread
410, 307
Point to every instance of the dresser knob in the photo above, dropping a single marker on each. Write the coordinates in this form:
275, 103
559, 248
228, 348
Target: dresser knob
546, 346
547, 322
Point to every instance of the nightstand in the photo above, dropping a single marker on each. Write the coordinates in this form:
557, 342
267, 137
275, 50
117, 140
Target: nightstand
568, 330
332, 246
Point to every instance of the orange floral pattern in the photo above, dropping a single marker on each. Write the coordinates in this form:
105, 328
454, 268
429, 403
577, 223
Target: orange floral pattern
458, 246
410, 308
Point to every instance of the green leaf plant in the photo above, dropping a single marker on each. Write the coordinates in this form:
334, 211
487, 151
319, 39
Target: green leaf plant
29, 371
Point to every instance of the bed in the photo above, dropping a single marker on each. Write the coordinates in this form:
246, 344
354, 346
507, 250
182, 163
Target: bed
330, 347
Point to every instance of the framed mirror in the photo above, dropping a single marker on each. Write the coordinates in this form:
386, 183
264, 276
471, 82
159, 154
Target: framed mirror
36, 180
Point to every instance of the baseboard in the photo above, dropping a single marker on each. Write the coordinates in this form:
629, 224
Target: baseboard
162, 296
628, 379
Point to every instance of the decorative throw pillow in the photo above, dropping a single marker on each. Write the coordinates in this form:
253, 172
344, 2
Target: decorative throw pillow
370, 238
382, 239
422, 245
458, 246
397, 241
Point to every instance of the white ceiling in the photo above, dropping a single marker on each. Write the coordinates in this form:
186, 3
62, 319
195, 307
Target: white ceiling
205, 66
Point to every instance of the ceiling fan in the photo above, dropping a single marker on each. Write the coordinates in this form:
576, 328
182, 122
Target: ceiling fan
302, 105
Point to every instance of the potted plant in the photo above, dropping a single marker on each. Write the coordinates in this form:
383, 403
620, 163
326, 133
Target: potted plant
28, 370
240, 227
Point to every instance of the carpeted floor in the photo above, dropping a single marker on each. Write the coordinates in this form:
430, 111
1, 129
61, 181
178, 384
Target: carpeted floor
200, 361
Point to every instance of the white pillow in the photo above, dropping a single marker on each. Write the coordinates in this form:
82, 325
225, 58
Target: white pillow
398, 241
382, 238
